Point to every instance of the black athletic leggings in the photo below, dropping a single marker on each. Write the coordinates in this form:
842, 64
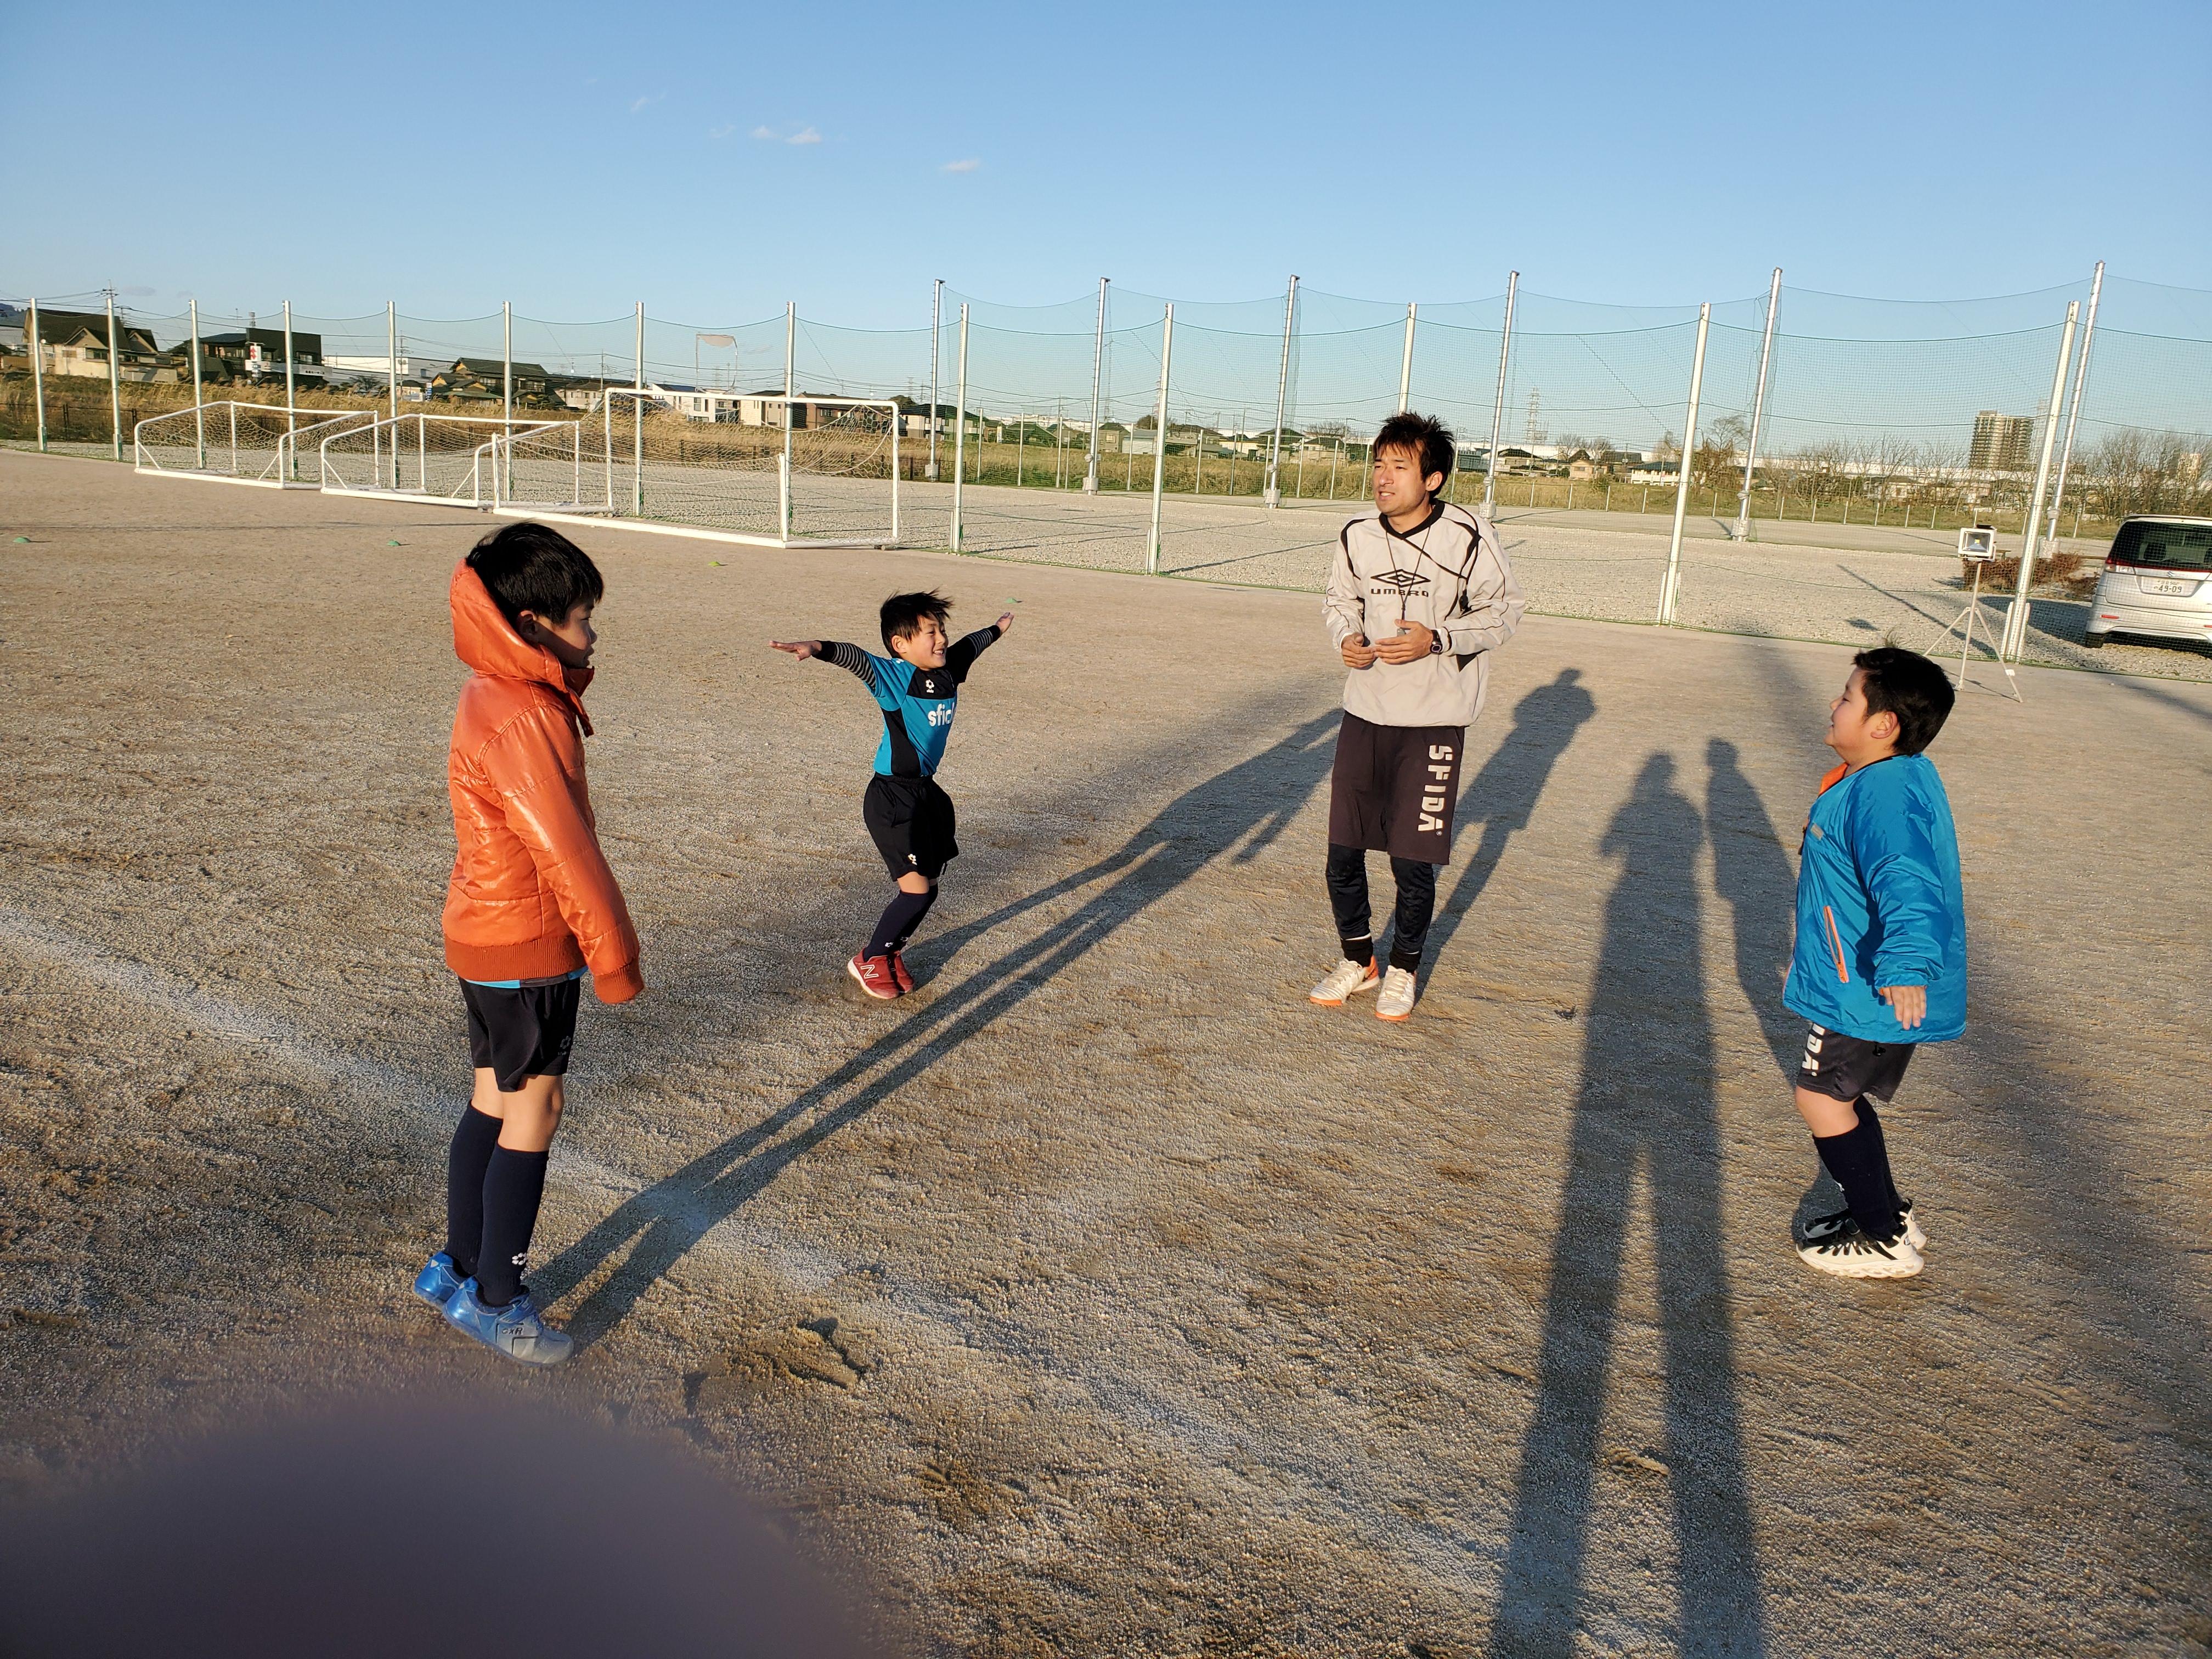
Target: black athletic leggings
1347, 896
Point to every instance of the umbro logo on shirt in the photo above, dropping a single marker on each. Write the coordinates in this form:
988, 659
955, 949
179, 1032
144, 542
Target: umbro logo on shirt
1399, 582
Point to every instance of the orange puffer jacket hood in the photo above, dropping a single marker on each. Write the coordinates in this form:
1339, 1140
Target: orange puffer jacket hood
531, 896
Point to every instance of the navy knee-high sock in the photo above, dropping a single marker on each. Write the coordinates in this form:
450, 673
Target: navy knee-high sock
900, 918
1868, 1117
471, 1151
1857, 1160
513, 1184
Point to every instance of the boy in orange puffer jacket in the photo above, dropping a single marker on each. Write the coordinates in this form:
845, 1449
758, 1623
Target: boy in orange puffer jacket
531, 906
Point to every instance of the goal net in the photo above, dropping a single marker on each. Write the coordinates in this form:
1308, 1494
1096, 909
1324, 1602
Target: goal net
760, 469
420, 457
239, 443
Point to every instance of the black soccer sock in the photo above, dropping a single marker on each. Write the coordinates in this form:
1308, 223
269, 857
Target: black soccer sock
1861, 1169
1347, 899
1417, 907
1868, 1117
464, 1179
513, 1183
900, 917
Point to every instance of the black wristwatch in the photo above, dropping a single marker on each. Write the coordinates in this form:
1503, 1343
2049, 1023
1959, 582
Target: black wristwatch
1436, 642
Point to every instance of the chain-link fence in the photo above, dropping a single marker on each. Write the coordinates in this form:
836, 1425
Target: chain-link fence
1839, 444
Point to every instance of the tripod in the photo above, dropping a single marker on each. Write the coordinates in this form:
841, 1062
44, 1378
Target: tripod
1969, 619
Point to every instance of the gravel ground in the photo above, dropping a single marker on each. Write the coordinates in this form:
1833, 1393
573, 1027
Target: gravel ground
1106, 1298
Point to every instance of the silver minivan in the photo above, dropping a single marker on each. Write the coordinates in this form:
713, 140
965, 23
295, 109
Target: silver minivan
2157, 582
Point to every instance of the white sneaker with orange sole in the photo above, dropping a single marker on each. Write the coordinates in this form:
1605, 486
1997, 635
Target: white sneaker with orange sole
1348, 978
1397, 999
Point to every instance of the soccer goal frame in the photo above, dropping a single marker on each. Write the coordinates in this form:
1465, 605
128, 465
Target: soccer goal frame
752, 470
205, 430
428, 457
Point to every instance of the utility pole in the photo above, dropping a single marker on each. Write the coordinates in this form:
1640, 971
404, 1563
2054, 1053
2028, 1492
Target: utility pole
1497, 402
2015, 627
115, 381
1097, 365
1406, 363
1742, 530
2073, 410
1272, 495
936, 316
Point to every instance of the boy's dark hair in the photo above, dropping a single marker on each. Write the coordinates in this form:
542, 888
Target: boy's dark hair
1906, 684
1423, 436
904, 613
534, 567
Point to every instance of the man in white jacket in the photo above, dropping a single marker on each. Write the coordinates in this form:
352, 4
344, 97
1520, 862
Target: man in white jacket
1420, 595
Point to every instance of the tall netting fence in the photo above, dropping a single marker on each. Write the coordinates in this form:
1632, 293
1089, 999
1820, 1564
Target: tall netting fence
1835, 457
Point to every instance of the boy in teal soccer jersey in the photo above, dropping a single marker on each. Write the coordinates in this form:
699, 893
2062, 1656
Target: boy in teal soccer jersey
909, 817
1881, 961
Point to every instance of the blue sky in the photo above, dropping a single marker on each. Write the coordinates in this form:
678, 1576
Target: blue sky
715, 160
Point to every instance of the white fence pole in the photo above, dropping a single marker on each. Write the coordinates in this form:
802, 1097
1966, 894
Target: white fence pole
1672, 582
2074, 408
1160, 442
114, 382
2015, 627
392, 355
783, 465
1098, 369
1742, 530
1497, 403
291, 399
637, 425
960, 428
199, 404
936, 318
1406, 364
1271, 495
38, 375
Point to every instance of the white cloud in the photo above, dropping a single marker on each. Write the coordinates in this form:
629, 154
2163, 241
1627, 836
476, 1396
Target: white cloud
645, 102
968, 166
720, 132
805, 136
768, 133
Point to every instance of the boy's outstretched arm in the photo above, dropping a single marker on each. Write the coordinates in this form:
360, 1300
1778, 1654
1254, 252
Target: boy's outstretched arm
962, 657
850, 657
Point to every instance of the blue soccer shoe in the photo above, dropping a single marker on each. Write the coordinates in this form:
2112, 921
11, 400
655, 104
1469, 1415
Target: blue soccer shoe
518, 1330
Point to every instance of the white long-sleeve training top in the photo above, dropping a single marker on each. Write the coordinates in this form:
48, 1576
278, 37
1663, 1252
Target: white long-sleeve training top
1449, 574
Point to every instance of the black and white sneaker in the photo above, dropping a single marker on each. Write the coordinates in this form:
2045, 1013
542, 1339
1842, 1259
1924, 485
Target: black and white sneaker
1848, 1253
1808, 1229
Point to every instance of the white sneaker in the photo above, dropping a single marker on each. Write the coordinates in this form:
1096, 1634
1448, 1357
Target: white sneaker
1397, 999
1347, 978
1849, 1253
1820, 1226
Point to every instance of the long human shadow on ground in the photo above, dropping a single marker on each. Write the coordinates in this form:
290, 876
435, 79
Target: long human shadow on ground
1503, 793
1646, 1103
1235, 815
1752, 874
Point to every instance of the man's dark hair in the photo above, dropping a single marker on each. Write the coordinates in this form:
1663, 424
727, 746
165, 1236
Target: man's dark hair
534, 567
904, 614
1906, 684
1422, 436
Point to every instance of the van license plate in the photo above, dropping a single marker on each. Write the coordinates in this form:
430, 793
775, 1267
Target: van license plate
2168, 585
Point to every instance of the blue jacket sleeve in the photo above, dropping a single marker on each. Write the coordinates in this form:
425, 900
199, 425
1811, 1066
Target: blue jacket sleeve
1896, 856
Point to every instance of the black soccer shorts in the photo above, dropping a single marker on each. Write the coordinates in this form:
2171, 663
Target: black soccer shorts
517, 1033
1845, 1067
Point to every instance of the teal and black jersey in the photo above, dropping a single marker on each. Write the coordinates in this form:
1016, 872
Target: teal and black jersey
917, 703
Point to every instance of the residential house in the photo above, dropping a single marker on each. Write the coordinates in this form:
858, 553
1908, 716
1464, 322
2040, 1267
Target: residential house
250, 354
485, 380
74, 343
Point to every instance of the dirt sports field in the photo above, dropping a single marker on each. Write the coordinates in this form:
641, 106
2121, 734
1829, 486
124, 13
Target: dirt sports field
1104, 1297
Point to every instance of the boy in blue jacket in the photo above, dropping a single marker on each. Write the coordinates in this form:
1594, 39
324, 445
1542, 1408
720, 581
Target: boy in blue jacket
1880, 960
